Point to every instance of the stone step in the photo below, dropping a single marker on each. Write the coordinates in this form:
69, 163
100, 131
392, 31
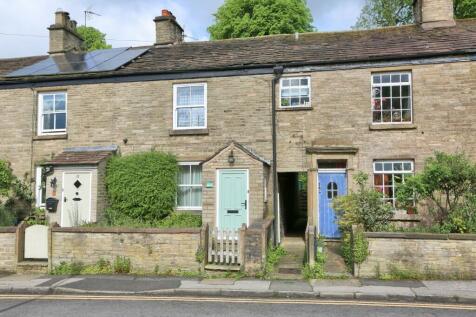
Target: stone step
224, 268
32, 267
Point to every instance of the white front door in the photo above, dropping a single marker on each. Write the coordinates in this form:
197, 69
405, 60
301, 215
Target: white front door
76, 208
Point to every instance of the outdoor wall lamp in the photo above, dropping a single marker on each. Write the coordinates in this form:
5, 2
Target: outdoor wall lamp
231, 157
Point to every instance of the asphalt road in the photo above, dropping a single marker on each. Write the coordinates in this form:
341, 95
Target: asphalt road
56, 305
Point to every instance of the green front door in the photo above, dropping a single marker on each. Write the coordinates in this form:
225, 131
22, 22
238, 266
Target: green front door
232, 198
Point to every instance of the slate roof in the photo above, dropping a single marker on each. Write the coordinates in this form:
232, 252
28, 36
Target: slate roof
316, 48
79, 158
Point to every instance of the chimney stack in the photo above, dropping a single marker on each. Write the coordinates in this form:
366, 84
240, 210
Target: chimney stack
167, 30
433, 13
63, 35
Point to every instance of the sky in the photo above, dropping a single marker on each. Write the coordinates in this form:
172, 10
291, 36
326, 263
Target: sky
23, 23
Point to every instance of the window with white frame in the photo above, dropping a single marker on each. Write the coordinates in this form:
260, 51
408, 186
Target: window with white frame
295, 92
388, 175
392, 97
52, 110
190, 106
40, 187
189, 194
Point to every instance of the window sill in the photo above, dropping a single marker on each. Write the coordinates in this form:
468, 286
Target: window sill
51, 137
294, 109
389, 126
188, 132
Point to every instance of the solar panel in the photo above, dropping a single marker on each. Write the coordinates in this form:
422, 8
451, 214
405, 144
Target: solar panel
95, 61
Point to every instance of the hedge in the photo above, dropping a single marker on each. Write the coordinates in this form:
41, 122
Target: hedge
141, 186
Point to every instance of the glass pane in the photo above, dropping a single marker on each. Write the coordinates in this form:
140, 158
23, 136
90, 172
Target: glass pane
198, 117
396, 116
387, 179
183, 96
396, 78
396, 103
405, 78
405, 103
196, 197
397, 166
294, 82
407, 166
387, 166
378, 180
285, 92
295, 101
304, 91
376, 92
378, 167
407, 116
294, 92
304, 82
48, 121
405, 91
196, 174
285, 82
61, 121
398, 178
377, 104
386, 104
285, 102
198, 93
183, 117
60, 102
387, 116
396, 91
305, 101
183, 196
48, 103
386, 91
376, 79
184, 175
385, 78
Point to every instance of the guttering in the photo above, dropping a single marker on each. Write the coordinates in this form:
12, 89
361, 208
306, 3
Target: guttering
278, 72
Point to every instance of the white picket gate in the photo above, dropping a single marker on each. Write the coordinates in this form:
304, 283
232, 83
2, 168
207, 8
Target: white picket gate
224, 247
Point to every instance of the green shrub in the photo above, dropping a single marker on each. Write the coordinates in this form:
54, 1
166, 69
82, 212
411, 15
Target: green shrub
315, 271
181, 220
141, 186
37, 218
364, 207
102, 266
448, 182
6, 178
122, 265
354, 248
7, 218
272, 258
65, 268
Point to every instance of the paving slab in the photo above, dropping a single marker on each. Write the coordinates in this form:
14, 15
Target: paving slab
121, 285
254, 285
334, 283
291, 286
405, 284
218, 282
451, 285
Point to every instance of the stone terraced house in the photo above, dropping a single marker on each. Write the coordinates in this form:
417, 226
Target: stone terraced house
257, 122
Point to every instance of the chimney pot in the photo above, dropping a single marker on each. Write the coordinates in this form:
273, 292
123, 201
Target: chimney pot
166, 13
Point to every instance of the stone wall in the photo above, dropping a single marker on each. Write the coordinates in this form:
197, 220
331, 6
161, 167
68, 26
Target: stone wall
148, 249
8, 253
452, 255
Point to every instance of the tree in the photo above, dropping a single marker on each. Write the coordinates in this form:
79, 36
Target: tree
382, 13
93, 38
447, 182
248, 18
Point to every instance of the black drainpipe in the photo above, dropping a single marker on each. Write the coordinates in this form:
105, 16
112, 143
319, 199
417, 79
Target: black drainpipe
278, 71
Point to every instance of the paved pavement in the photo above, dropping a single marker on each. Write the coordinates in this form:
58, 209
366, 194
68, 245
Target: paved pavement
358, 289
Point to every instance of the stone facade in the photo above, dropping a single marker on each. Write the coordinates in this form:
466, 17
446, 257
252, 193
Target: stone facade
148, 249
239, 108
8, 252
440, 255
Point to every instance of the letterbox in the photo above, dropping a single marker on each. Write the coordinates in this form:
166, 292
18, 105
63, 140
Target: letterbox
51, 204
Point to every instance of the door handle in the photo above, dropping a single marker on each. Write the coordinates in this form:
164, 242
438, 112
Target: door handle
245, 204
65, 199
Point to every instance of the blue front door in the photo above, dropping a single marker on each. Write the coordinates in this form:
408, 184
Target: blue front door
331, 184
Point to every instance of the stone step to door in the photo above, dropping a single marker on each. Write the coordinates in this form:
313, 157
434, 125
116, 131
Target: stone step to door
223, 268
32, 267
